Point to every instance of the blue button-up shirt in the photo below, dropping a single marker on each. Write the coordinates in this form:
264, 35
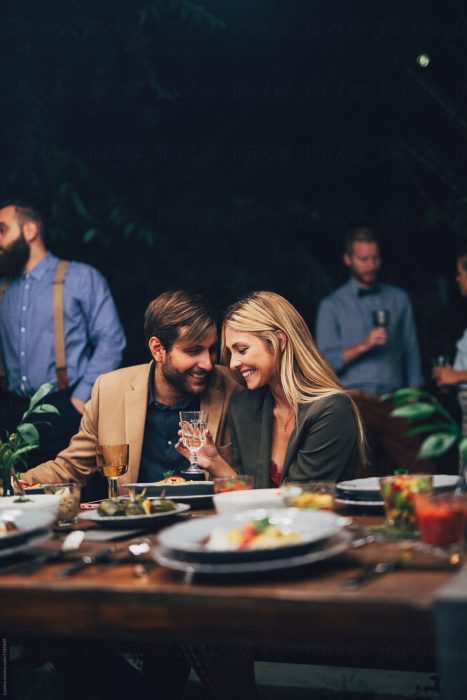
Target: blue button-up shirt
344, 319
161, 435
94, 338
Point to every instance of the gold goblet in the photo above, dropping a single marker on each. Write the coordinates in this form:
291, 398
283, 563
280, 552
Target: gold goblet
112, 461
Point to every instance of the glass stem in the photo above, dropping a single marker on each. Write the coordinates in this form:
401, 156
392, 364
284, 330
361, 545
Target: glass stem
113, 487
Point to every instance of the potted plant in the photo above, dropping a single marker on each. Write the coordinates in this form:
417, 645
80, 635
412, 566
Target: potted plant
25, 438
419, 406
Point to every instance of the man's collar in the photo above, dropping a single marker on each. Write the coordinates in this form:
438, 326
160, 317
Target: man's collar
365, 291
41, 268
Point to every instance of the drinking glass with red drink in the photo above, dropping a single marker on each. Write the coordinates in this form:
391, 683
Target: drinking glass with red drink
441, 519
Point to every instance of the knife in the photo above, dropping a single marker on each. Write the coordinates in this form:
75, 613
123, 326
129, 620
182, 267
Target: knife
369, 572
87, 560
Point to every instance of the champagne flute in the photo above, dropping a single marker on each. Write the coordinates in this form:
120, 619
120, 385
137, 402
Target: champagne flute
193, 425
112, 461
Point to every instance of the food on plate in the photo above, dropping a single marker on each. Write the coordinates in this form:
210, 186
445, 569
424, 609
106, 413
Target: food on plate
137, 504
255, 534
26, 485
172, 481
320, 501
7, 526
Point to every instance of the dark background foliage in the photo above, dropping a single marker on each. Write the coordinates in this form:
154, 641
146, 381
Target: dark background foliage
226, 145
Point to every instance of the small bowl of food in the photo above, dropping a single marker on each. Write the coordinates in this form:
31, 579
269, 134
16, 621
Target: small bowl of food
233, 483
317, 495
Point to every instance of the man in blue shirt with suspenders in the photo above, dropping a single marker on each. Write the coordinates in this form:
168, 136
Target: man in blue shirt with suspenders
58, 324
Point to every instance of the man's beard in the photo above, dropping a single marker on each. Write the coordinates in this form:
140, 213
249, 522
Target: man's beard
180, 381
14, 258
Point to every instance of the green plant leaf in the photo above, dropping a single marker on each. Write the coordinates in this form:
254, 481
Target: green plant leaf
29, 434
42, 391
405, 394
445, 427
436, 445
414, 411
46, 408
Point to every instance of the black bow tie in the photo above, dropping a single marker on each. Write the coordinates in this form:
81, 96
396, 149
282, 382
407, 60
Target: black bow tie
364, 291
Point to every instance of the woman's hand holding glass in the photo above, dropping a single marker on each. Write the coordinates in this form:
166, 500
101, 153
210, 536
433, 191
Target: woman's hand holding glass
209, 457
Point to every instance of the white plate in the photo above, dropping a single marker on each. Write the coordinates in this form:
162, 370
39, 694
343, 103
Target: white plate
360, 504
333, 546
28, 522
187, 538
246, 499
38, 537
131, 521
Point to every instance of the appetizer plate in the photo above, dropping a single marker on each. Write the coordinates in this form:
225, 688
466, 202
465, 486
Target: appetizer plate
188, 539
190, 488
131, 521
29, 523
331, 547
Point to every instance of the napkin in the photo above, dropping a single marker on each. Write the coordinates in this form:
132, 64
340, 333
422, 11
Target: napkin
96, 535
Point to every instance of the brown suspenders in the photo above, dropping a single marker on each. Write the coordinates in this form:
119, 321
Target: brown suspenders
59, 326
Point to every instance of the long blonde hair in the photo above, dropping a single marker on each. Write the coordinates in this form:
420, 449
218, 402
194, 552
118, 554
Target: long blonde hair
304, 374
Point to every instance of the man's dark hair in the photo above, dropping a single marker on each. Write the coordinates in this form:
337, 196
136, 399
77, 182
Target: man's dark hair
26, 211
170, 312
360, 234
462, 256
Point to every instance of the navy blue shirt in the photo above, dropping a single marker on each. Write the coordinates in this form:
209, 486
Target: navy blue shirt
161, 435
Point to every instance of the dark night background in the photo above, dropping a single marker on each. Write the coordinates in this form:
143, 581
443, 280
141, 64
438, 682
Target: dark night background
226, 146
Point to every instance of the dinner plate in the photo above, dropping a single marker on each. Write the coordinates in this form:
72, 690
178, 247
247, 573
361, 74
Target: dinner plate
187, 539
131, 521
28, 522
331, 547
18, 548
195, 488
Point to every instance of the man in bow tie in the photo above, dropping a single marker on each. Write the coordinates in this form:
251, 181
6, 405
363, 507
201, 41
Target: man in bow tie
372, 359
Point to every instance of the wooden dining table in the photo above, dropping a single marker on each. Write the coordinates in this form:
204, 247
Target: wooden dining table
305, 615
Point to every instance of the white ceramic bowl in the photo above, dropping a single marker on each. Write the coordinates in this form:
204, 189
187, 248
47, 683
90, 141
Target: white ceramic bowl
40, 501
236, 501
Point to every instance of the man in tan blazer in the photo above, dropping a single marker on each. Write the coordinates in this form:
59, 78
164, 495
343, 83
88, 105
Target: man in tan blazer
139, 405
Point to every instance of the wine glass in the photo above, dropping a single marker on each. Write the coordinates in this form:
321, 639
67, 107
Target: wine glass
112, 461
193, 425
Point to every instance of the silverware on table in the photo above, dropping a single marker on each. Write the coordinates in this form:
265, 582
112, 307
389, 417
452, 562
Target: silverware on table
88, 560
372, 571
42, 557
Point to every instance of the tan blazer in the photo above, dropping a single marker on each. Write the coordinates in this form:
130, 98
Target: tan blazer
116, 414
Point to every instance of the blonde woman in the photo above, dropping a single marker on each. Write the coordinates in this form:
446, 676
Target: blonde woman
295, 422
